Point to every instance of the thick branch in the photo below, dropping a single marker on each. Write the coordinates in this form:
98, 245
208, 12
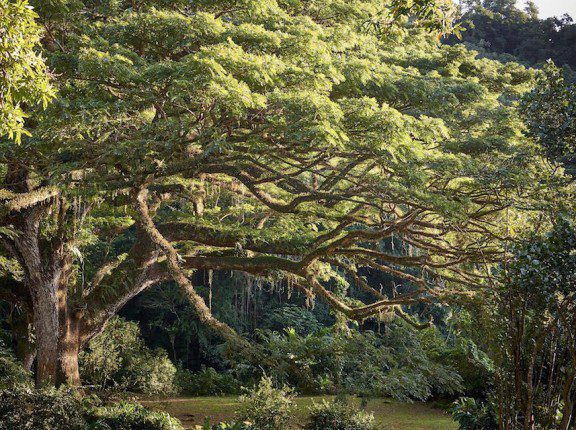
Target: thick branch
177, 273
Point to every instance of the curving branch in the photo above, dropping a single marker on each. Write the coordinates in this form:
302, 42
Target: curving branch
176, 272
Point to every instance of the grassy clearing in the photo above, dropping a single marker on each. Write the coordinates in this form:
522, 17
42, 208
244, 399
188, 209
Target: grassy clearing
390, 415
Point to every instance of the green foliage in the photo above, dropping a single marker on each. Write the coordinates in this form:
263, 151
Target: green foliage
464, 356
339, 414
395, 363
207, 382
24, 79
251, 81
266, 407
471, 414
25, 409
292, 316
550, 113
501, 27
168, 321
12, 374
532, 331
119, 359
130, 416
50, 409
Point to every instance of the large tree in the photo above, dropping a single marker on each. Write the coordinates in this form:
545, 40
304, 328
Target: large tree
284, 139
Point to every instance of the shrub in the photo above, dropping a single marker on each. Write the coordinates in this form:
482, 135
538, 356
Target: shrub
471, 414
51, 409
227, 426
118, 358
396, 363
266, 407
130, 416
338, 415
206, 382
25, 409
150, 372
12, 374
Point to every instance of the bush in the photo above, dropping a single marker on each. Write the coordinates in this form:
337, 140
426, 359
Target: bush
12, 374
227, 426
25, 409
51, 409
471, 414
206, 382
150, 372
266, 407
338, 415
118, 358
130, 416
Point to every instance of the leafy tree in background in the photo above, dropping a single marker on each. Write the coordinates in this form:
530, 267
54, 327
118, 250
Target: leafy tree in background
401, 363
284, 140
24, 78
501, 27
550, 114
531, 10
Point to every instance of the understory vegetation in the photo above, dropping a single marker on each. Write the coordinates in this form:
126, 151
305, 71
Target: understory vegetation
23, 409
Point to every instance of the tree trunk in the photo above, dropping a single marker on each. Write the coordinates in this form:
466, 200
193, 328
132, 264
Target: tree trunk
569, 404
57, 342
46, 326
69, 348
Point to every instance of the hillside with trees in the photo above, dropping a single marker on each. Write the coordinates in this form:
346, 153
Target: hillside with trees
503, 27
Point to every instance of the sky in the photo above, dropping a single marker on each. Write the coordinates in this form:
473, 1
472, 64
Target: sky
554, 7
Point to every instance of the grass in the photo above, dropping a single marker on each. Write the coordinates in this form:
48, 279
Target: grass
389, 414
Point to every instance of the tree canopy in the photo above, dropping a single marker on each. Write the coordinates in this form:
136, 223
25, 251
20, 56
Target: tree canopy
24, 79
299, 142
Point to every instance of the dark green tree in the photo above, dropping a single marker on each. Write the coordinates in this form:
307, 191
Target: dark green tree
500, 27
535, 345
550, 114
531, 10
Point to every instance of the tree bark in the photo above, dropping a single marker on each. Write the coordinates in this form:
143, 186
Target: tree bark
69, 348
47, 330
177, 274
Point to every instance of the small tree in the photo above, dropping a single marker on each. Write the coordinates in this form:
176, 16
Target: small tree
339, 414
118, 358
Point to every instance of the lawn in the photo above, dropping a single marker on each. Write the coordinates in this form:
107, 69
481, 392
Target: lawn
390, 415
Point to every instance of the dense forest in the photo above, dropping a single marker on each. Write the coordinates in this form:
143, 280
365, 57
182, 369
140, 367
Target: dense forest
365, 203
501, 27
